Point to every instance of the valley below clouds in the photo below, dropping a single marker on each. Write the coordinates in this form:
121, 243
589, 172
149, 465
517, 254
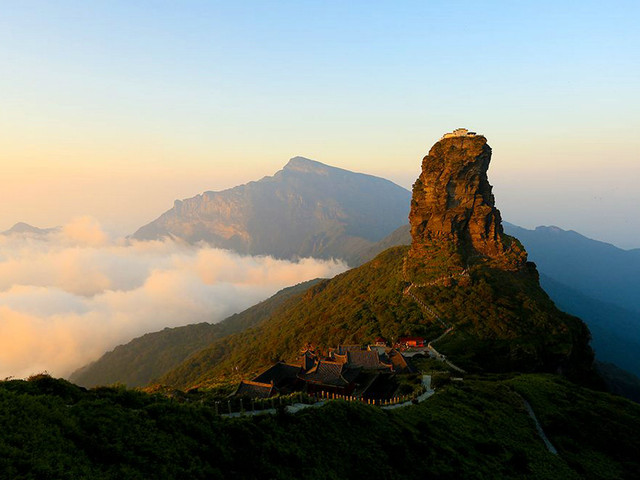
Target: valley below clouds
70, 295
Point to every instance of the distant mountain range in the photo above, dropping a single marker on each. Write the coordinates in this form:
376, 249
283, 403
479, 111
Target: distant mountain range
307, 209
615, 330
596, 269
594, 280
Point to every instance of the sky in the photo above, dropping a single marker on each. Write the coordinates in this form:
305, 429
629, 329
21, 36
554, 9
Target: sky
114, 109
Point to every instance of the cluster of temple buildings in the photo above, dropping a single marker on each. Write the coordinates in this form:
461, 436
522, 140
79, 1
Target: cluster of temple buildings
366, 372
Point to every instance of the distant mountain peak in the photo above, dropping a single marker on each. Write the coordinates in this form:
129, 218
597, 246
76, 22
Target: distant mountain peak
306, 165
302, 161
305, 209
22, 228
550, 228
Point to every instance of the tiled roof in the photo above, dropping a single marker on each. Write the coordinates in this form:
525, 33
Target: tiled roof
399, 362
327, 373
381, 350
342, 349
351, 374
364, 359
251, 389
280, 374
339, 358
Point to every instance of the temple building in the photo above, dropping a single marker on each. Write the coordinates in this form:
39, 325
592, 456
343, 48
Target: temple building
346, 370
459, 132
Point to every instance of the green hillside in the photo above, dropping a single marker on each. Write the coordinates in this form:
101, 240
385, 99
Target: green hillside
146, 358
503, 322
615, 330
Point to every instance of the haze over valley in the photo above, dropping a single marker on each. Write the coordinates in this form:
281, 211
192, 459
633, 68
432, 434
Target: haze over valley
68, 296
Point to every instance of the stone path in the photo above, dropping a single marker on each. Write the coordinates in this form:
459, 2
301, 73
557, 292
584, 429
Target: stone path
426, 381
544, 438
441, 357
424, 306
432, 313
250, 413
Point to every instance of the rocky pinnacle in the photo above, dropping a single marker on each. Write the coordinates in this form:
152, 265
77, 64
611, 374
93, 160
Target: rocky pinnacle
453, 209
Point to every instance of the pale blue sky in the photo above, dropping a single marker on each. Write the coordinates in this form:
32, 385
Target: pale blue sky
114, 109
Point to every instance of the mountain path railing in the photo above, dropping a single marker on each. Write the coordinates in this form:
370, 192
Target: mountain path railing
387, 404
431, 311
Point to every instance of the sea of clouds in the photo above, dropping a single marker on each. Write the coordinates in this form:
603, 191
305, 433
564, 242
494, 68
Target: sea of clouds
71, 295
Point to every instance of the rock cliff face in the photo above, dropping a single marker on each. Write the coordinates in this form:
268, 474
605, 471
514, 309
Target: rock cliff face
453, 213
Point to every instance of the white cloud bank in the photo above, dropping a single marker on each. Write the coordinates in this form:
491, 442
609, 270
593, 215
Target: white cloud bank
68, 297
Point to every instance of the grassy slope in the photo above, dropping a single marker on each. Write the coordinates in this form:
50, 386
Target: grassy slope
324, 316
148, 357
598, 435
477, 429
503, 321
615, 329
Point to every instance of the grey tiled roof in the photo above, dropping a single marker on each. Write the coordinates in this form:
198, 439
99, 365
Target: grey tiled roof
398, 361
280, 374
363, 359
327, 373
342, 349
251, 389
339, 358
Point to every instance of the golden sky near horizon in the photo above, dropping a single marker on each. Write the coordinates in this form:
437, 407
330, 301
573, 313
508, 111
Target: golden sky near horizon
125, 186
114, 109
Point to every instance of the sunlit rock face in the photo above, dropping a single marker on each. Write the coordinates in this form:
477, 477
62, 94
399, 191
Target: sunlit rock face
453, 211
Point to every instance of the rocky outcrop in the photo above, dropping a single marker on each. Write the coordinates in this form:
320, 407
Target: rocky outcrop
453, 213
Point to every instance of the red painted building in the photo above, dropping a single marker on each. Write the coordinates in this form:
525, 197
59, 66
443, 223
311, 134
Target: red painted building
412, 341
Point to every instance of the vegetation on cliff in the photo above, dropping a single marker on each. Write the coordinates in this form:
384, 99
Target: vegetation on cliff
567, 258
503, 321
